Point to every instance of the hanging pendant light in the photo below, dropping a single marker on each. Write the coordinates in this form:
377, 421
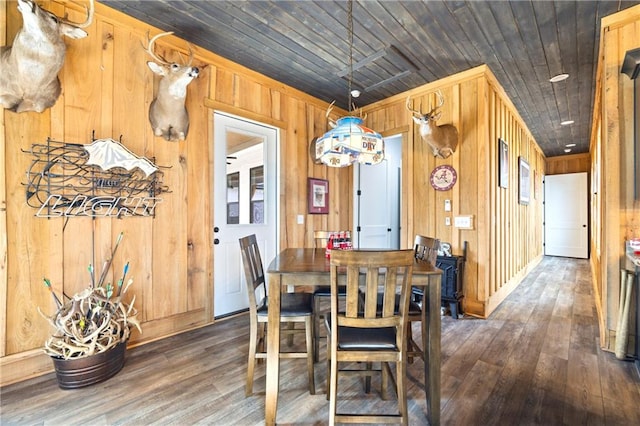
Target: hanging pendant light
350, 141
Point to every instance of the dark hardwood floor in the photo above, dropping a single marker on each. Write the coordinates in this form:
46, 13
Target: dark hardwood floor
535, 361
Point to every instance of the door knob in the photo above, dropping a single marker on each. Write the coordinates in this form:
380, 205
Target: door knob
216, 241
216, 229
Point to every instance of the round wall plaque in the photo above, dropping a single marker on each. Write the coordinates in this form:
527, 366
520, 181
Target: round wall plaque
443, 177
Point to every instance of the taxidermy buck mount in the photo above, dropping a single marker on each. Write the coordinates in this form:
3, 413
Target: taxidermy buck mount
29, 79
167, 114
442, 139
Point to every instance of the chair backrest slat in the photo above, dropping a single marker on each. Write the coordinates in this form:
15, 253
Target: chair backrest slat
385, 274
426, 248
321, 238
253, 270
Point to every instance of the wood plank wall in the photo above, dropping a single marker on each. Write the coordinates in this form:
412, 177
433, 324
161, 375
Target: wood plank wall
615, 212
107, 88
507, 237
574, 163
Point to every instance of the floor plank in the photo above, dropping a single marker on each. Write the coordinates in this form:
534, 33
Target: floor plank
535, 361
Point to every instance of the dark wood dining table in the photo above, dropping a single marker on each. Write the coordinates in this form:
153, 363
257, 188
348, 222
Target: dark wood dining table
310, 267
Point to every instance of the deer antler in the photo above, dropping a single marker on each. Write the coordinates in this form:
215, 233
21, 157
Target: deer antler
413, 111
84, 24
190, 56
332, 123
150, 49
440, 101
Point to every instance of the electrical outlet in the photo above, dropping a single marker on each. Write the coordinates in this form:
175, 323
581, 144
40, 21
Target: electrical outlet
447, 205
300, 219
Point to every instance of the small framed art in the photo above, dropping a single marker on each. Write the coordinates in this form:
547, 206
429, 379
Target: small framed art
318, 196
503, 164
524, 181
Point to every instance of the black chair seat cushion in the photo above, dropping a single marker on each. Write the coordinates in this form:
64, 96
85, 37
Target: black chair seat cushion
325, 290
291, 305
365, 339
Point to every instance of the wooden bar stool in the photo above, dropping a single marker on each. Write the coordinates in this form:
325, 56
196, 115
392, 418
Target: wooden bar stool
295, 308
372, 328
425, 249
321, 293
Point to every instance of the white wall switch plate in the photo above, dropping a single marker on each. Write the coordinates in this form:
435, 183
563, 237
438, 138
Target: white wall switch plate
300, 219
447, 205
463, 222
447, 221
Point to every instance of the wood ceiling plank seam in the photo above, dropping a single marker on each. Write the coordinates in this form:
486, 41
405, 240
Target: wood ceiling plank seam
547, 24
365, 42
567, 30
410, 38
320, 43
392, 28
511, 81
420, 26
372, 73
257, 32
527, 94
267, 58
225, 23
449, 25
587, 12
525, 17
473, 32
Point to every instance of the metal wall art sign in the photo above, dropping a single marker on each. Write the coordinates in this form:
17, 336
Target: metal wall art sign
101, 179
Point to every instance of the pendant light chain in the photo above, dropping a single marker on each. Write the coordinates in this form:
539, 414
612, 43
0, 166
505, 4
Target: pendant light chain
350, 30
349, 141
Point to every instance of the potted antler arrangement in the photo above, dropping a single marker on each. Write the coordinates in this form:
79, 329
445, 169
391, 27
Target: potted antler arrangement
91, 329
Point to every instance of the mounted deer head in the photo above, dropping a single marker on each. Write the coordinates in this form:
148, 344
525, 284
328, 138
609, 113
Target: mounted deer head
167, 114
29, 79
442, 139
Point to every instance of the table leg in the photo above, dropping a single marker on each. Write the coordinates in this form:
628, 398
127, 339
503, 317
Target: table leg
273, 350
432, 349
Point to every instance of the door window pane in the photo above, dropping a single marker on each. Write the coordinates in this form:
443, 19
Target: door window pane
257, 194
233, 205
245, 179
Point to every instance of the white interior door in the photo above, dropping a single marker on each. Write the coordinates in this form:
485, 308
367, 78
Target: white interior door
566, 215
245, 202
377, 200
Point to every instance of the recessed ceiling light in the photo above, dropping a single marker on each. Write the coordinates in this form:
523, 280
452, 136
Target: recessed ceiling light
567, 150
566, 122
559, 77
570, 145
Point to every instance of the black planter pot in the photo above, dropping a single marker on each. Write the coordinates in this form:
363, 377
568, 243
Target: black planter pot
81, 372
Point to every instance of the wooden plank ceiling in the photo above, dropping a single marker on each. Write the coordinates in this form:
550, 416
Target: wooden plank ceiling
399, 45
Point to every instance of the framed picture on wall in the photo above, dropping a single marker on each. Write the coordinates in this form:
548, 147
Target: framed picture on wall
503, 164
524, 181
318, 196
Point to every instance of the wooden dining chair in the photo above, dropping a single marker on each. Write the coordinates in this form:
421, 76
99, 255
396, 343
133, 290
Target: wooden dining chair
364, 333
321, 293
425, 249
295, 308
